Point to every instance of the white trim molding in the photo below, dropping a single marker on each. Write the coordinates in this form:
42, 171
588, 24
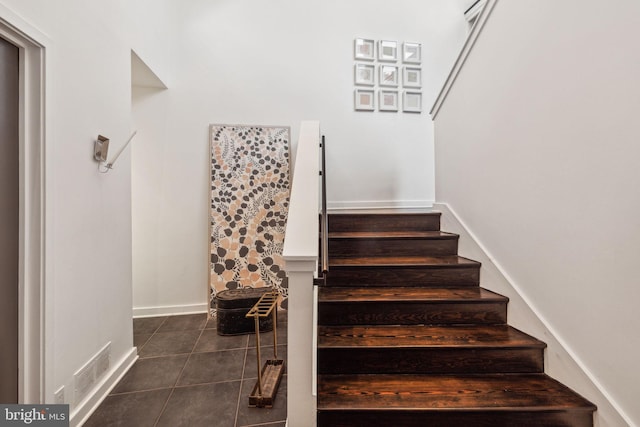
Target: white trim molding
561, 361
169, 310
35, 299
84, 410
375, 205
476, 29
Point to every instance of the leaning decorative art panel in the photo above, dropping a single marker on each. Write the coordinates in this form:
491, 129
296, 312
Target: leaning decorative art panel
249, 205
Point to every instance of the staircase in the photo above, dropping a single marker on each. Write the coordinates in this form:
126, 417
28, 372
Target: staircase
407, 337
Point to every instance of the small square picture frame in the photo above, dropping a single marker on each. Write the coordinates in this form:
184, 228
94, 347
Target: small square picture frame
364, 49
364, 99
365, 74
388, 75
411, 53
387, 51
412, 101
412, 77
388, 100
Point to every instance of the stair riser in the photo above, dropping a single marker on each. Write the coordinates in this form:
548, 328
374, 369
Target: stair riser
384, 222
342, 248
418, 313
485, 418
404, 276
429, 361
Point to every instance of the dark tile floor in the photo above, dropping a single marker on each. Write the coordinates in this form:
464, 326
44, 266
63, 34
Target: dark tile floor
188, 375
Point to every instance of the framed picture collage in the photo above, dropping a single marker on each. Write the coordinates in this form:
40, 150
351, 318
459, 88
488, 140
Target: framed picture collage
387, 76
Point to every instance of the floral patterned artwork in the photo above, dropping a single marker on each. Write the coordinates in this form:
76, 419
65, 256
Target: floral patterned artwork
249, 206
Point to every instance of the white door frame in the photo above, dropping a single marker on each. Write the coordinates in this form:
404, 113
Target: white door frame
34, 314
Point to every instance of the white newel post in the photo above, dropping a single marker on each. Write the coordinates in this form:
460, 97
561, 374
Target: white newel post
301, 401
300, 253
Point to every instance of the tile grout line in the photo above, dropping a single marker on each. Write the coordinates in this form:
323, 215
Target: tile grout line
139, 357
151, 336
146, 390
244, 364
145, 343
164, 407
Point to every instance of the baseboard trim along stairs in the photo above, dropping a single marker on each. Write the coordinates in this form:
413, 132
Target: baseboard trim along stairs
407, 337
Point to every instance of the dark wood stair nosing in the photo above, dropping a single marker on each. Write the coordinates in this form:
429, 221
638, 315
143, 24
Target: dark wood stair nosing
399, 235
419, 301
383, 262
487, 308
549, 408
494, 382
432, 337
484, 294
437, 347
344, 245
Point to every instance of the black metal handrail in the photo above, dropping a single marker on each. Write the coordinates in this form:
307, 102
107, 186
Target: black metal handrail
324, 223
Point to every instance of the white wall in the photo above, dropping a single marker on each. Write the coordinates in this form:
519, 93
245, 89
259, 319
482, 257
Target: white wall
88, 282
537, 151
277, 62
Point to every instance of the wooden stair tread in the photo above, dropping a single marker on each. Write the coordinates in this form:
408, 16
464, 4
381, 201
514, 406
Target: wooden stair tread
498, 392
341, 306
391, 235
405, 261
418, 336
406, 294
394, 214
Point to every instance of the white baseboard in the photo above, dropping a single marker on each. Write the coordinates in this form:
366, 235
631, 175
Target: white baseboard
378, 205
561, 361
169, 310
84, 410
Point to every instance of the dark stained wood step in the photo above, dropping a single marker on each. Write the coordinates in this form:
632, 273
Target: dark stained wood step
407, 294
404, 271
392, 234
404, 261
458, 418
350, 222
459, 336
409, 306
427, 350
396, 243
449, 400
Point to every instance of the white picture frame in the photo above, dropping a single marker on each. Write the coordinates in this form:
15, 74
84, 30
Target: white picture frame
388, 100
387, 51
412, 77
388, 75
364, 99
411, 53
364, 49
365, 74
412, 101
